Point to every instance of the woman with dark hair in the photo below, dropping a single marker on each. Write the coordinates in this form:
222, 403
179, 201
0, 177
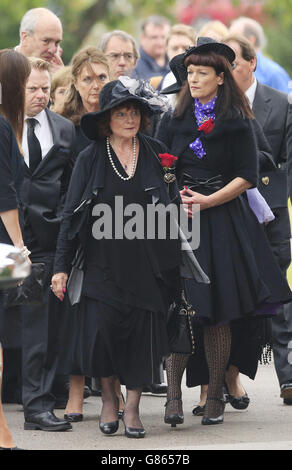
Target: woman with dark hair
212, 136
128, 281
89, 72
14, 71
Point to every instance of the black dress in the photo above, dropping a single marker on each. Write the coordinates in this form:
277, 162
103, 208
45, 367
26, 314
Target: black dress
11, 174
127, 289
245, 281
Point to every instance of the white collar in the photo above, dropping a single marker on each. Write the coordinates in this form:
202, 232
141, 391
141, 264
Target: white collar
40, 117
250, 92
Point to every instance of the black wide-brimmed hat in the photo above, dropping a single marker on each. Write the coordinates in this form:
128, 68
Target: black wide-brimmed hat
180, 72
120, 91
206, 45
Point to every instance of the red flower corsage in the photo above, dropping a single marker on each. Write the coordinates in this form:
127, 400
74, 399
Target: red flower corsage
167, 161
207, 126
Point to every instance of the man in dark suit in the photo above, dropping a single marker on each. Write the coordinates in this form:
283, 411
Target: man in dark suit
273, 112
48, 147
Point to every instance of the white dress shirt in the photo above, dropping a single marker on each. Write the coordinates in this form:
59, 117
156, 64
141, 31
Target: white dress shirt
43, 133
250, 92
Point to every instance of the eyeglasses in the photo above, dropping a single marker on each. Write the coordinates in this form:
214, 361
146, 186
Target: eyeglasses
114, 56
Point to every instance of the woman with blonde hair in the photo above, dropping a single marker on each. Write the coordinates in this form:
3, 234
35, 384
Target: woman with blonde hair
89, 73
59, 87
215, 30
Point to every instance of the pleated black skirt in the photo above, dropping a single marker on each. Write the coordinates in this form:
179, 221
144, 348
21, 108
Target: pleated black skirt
236, 255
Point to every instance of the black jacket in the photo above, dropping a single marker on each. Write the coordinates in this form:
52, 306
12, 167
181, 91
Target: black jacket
231, 145
273, 112
43, 191
86, 182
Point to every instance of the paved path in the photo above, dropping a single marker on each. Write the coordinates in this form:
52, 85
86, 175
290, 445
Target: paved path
267, 424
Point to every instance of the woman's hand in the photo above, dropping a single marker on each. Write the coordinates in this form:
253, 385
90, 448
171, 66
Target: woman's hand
190, 197
58, 286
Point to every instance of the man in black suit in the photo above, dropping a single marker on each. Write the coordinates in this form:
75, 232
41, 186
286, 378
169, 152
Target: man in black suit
48, 147
273, 112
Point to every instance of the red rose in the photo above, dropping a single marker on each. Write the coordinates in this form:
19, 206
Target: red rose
167, 160
207, 126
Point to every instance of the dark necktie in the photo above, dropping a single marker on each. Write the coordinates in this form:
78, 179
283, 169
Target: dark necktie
34, 148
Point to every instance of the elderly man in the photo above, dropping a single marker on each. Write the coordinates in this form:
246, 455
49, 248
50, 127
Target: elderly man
48, 147
121, 51
153, 60
267, 71
273, 112
40, 36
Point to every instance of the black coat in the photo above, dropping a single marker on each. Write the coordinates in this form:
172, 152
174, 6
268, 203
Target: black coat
43, 191
273, 112
231, 146
86, 182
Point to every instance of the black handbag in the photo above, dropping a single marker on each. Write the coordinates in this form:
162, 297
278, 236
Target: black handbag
179, 327
30, 291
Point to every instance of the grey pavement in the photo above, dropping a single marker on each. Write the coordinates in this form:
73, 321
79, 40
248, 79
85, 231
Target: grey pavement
265, 425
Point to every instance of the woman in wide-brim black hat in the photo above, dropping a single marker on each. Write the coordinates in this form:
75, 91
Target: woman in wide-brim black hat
128, 280
211, 134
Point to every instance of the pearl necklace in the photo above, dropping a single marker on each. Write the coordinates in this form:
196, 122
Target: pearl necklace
133, 162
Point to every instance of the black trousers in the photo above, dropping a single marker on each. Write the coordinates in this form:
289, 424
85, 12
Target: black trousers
41, 326
279, 234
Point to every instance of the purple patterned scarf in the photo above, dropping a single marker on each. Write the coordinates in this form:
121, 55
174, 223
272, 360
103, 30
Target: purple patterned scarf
202, 113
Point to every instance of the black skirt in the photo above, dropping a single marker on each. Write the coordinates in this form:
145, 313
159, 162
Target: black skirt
128, 343
245, 279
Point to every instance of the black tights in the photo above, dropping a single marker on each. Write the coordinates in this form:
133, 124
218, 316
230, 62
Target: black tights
217, 342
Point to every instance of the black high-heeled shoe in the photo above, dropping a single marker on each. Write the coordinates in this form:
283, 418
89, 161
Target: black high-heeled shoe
238, 403
136, 433
174, 418
121, 412
206, 421
73, 417
109, 428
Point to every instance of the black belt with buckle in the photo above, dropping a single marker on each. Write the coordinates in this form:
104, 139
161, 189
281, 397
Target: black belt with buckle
209, 185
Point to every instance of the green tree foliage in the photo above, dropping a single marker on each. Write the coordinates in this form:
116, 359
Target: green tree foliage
279, 32
79, 16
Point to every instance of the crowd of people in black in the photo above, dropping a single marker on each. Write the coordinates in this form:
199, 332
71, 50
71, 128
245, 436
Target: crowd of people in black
193, 120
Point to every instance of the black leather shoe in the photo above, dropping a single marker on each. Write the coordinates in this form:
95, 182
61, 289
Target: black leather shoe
135, 433
238, 403
46, 421
199, 410
73, 417
156, 389
109, 428
206, 421
286, 393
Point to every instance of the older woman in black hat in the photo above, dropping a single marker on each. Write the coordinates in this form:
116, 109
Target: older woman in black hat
211, 134
127, 280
